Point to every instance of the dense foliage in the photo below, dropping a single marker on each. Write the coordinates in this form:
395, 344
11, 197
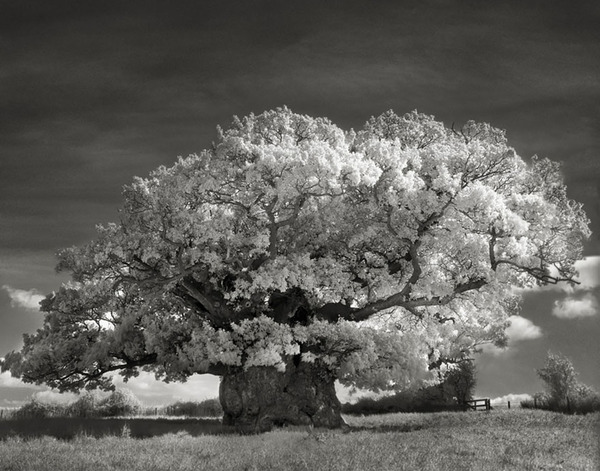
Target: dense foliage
380, 255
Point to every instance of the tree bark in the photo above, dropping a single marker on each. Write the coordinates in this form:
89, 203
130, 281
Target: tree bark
259, 398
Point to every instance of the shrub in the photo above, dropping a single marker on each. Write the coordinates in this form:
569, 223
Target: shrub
89, 404
206, 408
86, 406
583, 402
35, 409
460, 381
560, 377
119, 403
424, 400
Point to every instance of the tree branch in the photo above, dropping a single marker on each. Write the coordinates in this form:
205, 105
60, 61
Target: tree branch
217, 310
539, 273
400, 300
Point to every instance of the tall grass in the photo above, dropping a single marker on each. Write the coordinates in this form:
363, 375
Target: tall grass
486, 441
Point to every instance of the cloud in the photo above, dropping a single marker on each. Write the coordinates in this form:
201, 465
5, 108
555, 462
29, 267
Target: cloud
588, 278
349, 394
520, 329
28, 299
573, 308
515, 399
8, 381
152, 392
148, 390
589, 272
54, 397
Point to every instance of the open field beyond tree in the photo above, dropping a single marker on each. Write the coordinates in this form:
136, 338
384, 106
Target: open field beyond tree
507, 440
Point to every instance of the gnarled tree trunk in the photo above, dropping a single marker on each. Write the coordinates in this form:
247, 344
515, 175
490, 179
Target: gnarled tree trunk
259, 398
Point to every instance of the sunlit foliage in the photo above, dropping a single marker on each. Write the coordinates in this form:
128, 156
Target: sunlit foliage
380, 254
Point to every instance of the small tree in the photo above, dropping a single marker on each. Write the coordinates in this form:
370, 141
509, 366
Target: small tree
461, 380
560, 377
563, 391
36, 409
293, 253
120, 403
86, 405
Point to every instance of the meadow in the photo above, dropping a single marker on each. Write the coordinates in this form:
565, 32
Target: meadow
497, 440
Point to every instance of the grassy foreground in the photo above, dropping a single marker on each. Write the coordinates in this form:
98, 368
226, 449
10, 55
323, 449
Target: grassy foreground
498, 440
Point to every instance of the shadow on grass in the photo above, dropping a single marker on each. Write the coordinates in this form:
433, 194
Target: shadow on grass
67, 428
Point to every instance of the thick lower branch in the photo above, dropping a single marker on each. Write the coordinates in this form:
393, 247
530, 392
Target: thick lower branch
399, 300
210, 301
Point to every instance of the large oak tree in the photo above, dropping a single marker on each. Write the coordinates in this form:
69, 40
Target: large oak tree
292, 254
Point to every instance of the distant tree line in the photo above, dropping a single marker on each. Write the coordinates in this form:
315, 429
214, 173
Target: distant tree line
120, 403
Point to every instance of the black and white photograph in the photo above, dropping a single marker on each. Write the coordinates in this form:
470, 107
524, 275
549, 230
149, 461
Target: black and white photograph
300, 235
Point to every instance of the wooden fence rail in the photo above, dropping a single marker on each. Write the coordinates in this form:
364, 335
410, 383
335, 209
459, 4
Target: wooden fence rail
477, 404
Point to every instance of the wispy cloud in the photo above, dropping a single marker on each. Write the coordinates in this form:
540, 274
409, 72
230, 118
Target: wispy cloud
573, 307
28, 299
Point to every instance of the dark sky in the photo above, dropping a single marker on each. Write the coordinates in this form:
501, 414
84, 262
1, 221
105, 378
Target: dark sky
93, 93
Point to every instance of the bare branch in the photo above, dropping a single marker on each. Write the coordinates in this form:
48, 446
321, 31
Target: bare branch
539, 273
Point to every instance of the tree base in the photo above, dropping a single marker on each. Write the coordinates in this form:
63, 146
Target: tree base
259, 398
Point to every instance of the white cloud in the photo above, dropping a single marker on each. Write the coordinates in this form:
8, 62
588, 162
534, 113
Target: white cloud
28, 299
147, 389
572, 308
520, 329
54, 397
589, 272
7, 381
153, 392
351, 394
588, 278
515, 399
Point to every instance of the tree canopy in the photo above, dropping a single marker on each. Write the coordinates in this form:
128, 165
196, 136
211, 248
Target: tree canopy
380, 254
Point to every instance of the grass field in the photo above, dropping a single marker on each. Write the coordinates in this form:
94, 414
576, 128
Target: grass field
498, 440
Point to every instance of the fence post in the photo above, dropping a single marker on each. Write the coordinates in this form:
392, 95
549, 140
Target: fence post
509, 404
